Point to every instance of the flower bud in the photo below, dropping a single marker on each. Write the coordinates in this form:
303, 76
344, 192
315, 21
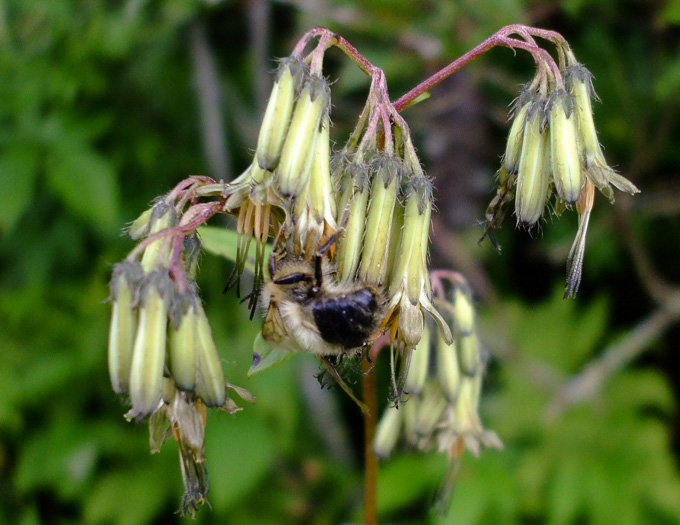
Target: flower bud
124, 286
579, 83
157, 253
513, 147
420, 363
148, 355
533, 176
464, 312
566, 164
387, 432
297, 154
210, 384
383, 198
183, 350
352, 184
409, 282
468, 354
277, 116
448, 368
140, 227
315, 207
431, 407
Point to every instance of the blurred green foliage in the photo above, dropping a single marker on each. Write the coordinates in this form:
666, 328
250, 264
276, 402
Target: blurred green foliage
99, 114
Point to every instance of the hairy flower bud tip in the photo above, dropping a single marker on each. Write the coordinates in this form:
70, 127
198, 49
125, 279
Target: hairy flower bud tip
140, 227
157, 253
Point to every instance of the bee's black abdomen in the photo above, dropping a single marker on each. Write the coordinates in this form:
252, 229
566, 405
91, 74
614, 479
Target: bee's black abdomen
348, 319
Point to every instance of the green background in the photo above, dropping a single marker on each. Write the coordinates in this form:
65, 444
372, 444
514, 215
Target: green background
100, 111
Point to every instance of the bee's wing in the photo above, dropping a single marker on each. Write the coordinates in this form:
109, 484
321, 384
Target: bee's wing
273, 328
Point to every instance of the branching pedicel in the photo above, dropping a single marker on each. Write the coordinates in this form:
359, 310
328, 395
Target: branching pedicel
351, 235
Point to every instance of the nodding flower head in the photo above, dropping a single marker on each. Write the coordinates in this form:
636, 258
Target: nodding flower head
443, 384
553, 159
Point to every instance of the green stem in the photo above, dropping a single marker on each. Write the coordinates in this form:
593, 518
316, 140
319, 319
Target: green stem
369, 394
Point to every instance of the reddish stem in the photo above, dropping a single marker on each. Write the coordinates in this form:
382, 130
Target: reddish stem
369, 389
500, 38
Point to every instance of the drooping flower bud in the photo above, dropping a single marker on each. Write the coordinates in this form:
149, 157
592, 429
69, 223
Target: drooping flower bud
533, 177
420, 364
513, 147
565, 161
183, 349
148, 355
124, 286
157, 253
210, 383
352, 185
578, 81
383, 198
297, 155
277, 116
315, 207
387, 432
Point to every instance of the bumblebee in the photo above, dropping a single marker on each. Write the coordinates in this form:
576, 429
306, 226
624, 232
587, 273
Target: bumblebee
307, 309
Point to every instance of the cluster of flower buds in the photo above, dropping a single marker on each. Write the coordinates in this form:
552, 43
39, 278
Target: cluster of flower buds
387, 202
288, 183
553, 153
161, 349
158, 325
375, 202
444, 384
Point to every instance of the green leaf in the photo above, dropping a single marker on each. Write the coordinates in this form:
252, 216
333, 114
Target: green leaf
239, 452
133, 495
63, 456
224, 242
405, 479
266, 357
86, 183
219, 241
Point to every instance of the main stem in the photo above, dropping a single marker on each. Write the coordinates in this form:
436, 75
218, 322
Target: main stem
370, 398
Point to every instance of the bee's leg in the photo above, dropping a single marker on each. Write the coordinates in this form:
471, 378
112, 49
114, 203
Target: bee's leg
318, 268
275, 252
